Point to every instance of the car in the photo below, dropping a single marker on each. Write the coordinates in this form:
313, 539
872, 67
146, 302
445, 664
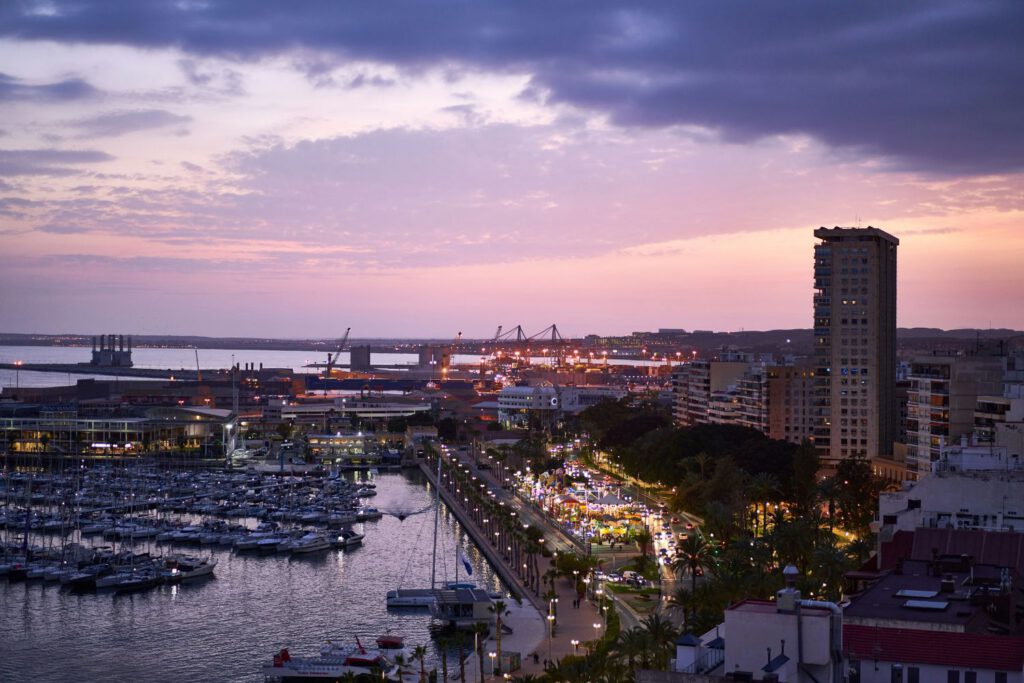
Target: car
689, 525
614, 577
675, 520
683, 535
663, 551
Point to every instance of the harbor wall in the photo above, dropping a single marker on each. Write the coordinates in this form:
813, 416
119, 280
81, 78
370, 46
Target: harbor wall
492, 555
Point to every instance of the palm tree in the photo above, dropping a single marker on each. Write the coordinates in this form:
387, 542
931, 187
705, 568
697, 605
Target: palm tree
462, 657
693, 553
631, 644
400, 663
763, 486
643, 540
443, 644
498, 609
662, 635
480, 630
420, 653
701, 460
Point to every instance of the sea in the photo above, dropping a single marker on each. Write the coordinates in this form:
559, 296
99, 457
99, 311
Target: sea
185, 359
226, 627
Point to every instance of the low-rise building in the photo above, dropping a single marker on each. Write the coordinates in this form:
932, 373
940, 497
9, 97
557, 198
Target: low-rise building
970, 487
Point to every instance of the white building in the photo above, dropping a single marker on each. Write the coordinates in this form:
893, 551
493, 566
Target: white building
790, 640
971, 487
550, 402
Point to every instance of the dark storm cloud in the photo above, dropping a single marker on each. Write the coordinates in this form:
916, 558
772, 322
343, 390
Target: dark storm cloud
115, 124
12, 88
52, 162
936, 86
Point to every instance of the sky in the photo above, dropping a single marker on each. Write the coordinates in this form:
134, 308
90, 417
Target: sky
256, 168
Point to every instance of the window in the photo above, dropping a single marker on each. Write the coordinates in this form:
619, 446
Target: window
952, 676
896, 673
970, 677
913, 674
1000, 677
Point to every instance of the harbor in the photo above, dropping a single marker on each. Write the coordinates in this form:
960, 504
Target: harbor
228, 626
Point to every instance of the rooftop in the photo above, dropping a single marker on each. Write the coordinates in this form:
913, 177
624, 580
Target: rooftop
951, 593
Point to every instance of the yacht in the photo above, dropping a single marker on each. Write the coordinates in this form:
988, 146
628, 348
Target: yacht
367, 514
184, 568
310, 543
334, 662
347, 539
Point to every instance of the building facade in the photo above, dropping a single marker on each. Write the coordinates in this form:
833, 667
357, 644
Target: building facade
942, 399
854, 343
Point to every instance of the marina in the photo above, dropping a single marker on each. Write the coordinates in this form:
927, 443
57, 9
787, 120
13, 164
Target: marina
225, 626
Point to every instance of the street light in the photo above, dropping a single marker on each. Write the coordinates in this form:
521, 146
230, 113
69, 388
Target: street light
551, 633
492, 655
575, 645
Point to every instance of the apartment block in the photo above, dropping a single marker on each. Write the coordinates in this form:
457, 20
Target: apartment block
855, 343
942, 400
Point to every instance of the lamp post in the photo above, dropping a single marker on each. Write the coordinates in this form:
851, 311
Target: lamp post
492, 655
551, 633
575, 645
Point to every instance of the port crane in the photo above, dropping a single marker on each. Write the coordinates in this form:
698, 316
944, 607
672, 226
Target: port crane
331, 360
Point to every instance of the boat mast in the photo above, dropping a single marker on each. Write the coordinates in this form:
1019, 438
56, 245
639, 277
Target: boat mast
437, 519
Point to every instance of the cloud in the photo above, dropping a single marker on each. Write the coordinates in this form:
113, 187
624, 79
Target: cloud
49, 162
116, 124
221, 81
12, 89
920, 85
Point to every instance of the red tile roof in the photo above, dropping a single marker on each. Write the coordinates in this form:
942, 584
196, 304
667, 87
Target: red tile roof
912, 646
1002, 548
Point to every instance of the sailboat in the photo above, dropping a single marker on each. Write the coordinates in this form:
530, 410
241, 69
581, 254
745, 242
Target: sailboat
453, 603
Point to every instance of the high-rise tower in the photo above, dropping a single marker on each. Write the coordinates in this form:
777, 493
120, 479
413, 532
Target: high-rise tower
854, 343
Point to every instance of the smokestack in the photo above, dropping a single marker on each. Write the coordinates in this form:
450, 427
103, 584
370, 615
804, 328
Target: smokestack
94, 343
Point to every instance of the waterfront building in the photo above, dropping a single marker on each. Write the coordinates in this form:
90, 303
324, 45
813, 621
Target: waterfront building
548, 402
854, 343
942, 399
61, 429
316, 411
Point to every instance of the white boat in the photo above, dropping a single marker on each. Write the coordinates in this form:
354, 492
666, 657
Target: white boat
185, 568
336, 519
347, 539
367, 514
333, 663
310, 543
411, 597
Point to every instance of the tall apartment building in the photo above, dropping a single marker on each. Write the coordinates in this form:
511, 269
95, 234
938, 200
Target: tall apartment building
700, 383
775, 399
942, 400
855, 343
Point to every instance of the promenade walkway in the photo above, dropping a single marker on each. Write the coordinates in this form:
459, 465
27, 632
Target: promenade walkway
531, 633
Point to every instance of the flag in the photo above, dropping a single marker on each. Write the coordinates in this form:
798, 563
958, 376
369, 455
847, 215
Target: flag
465, 563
